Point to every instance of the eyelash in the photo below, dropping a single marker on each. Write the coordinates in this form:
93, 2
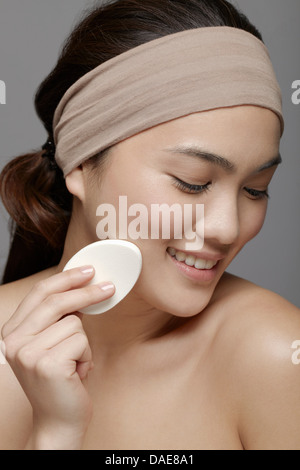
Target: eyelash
196, 189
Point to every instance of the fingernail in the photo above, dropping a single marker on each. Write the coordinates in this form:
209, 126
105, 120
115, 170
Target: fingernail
87, 270
106, 286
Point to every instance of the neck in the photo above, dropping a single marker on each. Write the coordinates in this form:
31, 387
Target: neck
129, 324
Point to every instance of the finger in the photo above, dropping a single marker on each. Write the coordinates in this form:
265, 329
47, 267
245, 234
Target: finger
83, 368
31, 346
63, 359
56, 306
58, 283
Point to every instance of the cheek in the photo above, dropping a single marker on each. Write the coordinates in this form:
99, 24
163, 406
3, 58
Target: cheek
137, 201
252, 221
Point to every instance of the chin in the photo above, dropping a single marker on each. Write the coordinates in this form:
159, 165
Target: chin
185, 305
166, 293
186, 311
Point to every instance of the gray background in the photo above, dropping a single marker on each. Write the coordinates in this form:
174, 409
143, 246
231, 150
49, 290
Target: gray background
31, 34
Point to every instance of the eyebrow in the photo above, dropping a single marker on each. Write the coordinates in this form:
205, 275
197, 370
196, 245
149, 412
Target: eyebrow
217, 160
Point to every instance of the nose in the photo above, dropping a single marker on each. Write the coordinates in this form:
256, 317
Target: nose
221, 220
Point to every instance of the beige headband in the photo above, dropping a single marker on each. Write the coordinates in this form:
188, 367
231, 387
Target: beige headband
179, 74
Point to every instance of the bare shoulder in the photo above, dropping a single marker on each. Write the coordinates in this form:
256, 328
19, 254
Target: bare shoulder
260, 333
10, 297
256, 309
12, 294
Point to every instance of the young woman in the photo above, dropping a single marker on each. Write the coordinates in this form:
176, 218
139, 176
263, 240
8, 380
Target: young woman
164, 102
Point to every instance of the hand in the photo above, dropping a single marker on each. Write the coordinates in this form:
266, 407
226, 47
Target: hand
49, 353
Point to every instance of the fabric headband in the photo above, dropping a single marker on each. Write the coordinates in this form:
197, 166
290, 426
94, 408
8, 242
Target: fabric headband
164, 79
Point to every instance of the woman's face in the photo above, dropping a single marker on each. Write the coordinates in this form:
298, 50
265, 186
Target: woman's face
219, 153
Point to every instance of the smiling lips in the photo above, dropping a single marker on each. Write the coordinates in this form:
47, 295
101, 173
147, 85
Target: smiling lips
191, 260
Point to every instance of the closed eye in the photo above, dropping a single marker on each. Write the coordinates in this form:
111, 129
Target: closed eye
197, 189
190, 188
258, 194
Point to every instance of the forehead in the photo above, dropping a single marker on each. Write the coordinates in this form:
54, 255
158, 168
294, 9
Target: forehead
235, 131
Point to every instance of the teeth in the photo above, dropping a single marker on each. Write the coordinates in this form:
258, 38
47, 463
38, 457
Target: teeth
172, 251
201, 264
190, 260
180, 256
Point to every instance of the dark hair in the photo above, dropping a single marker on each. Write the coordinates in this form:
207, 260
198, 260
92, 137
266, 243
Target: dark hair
33, 193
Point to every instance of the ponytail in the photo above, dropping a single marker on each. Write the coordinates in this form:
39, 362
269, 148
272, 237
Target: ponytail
35, 196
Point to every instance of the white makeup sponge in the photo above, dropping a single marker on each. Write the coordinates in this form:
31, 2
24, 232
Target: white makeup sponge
117, 261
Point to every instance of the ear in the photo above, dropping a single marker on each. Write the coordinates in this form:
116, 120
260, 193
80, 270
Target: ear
76, 184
